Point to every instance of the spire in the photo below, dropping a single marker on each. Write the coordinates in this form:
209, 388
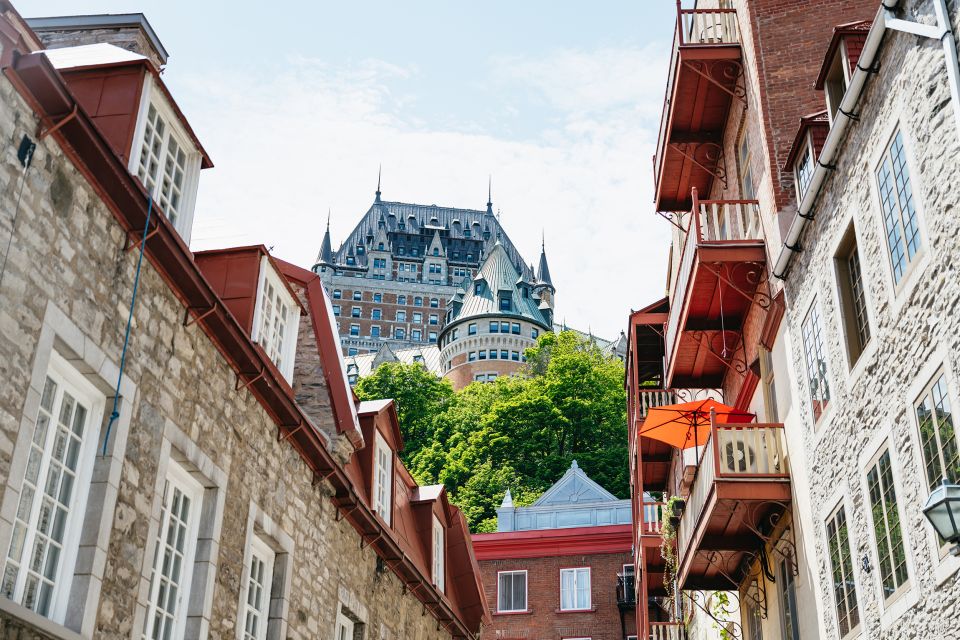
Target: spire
379, 171
543, 274
490, 195
326, 253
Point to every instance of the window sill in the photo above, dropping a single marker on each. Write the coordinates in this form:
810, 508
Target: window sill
900, 604
45, 626
513, 613
592, 609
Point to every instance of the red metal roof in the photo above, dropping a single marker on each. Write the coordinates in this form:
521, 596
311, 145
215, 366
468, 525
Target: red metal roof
543, 543
857, 33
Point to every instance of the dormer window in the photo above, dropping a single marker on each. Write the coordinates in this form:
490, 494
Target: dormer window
478, 288
167, 164
276, 319
380, 246
439, 565
835, 83
506, 303
436, 251
383, 478
804, 170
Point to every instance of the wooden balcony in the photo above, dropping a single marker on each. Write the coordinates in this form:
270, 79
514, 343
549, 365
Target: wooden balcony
722, 265
705, 76
739, 488
668, 631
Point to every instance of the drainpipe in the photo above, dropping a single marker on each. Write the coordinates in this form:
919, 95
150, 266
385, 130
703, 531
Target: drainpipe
846, 112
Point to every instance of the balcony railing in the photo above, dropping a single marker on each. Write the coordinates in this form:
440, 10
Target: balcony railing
746, 452
695, 27
652, 515
711, 221
649, 398
668, 631
626, 590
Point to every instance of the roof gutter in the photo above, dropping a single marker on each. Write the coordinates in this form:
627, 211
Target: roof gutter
845, 113
831, 147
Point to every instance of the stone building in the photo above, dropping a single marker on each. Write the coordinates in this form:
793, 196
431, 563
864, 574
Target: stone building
741, 555
181, 455
561, 567
493, 318
392, 277
868, 262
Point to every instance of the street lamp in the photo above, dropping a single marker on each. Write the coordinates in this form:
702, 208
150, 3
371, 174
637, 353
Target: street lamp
943, 512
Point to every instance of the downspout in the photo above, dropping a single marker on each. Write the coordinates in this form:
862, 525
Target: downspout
851, 97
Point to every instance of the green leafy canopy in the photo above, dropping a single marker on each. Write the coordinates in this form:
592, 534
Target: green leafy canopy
519, 432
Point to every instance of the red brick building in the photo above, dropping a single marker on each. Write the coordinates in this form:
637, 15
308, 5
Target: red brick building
562, 568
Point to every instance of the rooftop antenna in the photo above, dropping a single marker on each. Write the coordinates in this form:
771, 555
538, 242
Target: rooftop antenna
490, 194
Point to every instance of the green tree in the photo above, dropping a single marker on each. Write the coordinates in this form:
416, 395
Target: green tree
419, 395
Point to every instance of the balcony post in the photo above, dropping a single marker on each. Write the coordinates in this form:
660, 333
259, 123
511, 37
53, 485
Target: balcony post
695, 212
715, 444
680, 22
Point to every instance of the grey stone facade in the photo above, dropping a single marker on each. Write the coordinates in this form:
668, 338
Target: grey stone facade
915, 335
66, 289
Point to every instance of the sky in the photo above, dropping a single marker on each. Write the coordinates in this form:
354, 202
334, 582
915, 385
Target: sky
557, 101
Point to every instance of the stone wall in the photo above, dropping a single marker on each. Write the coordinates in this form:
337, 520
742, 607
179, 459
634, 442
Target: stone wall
67, 262
915, 330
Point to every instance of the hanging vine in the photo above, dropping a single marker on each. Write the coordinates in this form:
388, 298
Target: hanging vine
669, 518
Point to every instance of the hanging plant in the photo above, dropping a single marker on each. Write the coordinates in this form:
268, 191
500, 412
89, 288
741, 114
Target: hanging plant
670, 520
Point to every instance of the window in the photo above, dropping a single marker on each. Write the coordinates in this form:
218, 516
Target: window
478, 288
472, 329
938, 439
401, 316
276, 319
433, 336
434, 303
379, 263
886, 526
418, 301
471, 356
401, 299
417, 317
899, 210
835, 83
482, 354
752, 613
515, 356
434, 319
575, 589
352, 351
493, 354
378, 297
376, 314
744, 160
357, 295
417, 335
355, 312
174, 551
383, 478
515, 328
816, 362
167, 167
504, 327
788, 601
494, 327
841, 565
336, 310
438, 554
504, 354
399, 334
351, 261
256, 609
337, 294
804, 170
454, 334
506, 304
375, 331
853, 301
511, 591
344, 629
43, 547
534, 333
354, 330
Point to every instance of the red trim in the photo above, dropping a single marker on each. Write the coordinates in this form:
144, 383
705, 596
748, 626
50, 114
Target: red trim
545, 543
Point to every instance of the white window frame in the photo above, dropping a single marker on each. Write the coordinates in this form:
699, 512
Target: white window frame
176, 478
577, 571
292, 326
805, 155
439, 555
67, 378
526, 590
151, 95
344, 626
383, 478
829, 399
257, 548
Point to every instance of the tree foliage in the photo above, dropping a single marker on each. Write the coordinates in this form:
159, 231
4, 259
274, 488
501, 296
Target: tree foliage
519, 433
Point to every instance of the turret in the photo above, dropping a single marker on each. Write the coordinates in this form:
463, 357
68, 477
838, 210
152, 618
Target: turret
544, 288
325, 257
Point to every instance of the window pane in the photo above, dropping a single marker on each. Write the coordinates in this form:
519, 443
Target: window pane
841, 563
886, 524
816, 362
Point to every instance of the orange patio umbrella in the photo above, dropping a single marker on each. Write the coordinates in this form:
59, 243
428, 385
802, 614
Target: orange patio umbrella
688, 424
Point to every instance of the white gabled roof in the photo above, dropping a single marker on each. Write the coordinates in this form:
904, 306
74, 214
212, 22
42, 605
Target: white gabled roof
90, 55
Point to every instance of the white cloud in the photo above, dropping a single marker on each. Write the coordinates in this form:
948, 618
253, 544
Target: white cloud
289, 146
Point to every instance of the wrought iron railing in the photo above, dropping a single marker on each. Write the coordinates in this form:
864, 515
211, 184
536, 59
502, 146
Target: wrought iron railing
746, 452
626, 589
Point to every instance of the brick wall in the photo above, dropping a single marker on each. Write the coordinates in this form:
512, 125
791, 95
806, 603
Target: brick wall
544, 621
